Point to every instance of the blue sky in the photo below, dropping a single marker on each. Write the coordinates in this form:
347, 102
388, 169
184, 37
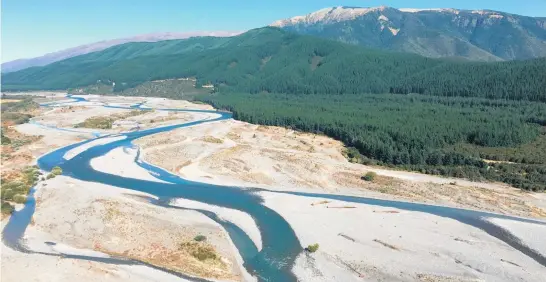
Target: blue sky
34, 27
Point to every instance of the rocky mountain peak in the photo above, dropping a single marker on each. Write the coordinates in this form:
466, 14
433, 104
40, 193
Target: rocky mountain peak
434, 32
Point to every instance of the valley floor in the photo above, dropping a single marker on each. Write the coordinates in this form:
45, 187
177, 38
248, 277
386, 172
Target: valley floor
238, 153
358, 242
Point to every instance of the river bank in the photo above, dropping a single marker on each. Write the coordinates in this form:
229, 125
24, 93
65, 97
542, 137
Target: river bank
357, 241
102, 219
241, 154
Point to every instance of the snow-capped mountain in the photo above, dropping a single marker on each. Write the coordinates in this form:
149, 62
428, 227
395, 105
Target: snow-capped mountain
443, 32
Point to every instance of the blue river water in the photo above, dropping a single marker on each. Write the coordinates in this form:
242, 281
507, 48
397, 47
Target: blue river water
280, 245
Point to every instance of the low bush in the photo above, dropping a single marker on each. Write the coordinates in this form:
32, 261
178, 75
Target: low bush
12, 188
204, 253
15, 118
312, 248
7, 208
200, 238
7, 194
20, 199
5, 140
97, 122
56, 171
199, 250
369, 176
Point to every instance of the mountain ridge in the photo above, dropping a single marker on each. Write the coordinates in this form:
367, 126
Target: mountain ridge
482, 35
273, 60
52, 57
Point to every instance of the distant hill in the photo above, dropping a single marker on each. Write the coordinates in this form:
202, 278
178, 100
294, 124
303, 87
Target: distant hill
99, 46
481, 35
272, 60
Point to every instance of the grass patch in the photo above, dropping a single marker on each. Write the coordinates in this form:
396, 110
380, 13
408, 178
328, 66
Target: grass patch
97, 123
369, 176
25, 104
100, 122
55, 172
210, 139
15, 118
199, 250
15, 189
7, 208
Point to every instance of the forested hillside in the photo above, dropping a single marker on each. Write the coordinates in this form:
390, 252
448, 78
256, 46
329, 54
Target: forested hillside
275, 61
439, 116
461, 137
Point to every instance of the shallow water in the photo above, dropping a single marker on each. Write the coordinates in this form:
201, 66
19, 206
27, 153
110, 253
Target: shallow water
280, 246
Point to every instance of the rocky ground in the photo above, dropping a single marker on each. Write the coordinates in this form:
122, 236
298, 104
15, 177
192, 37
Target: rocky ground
281, 159
357, 242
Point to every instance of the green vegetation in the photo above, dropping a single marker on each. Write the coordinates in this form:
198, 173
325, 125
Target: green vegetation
55, 172
101, 122
20, 199
275, 61
369, 176
14, 112
312, 248
199, 250
15, 118
15, 190
181, 88
7, 208
25, 103
436, 135
435, 116
5, 140
98, 88
97, 122
200, 238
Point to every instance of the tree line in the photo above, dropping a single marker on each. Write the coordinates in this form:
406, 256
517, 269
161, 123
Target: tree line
417, 132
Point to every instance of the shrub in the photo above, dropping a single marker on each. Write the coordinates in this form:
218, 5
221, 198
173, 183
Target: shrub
7, 194
97, 122
30, 176
199, 250
5, 140
200, 238
204, 253
51, 175
7, 208
312, 248
370, 176
20, 199
57, 171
